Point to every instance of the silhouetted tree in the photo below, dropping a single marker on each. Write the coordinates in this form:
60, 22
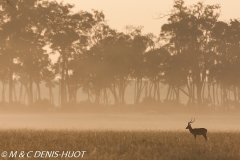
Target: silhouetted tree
66, 30
156, 61
188, 31
225, 44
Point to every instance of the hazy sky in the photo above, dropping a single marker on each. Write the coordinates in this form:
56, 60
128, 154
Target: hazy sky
120, 13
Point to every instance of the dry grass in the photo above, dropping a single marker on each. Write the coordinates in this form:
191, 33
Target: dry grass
126, 145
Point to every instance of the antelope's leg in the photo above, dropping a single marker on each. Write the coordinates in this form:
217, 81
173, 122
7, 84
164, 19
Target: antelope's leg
205, 136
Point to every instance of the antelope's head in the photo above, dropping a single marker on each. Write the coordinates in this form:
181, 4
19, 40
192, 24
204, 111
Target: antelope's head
189, 124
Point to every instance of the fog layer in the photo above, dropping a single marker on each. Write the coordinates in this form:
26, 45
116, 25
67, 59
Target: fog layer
112, 121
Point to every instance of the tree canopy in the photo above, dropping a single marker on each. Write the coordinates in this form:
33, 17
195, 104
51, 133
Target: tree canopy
199, 52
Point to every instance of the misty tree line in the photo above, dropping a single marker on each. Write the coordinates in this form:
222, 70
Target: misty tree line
195, 54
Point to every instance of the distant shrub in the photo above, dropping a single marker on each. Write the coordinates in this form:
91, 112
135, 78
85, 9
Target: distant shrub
12, 105
148, 100
17, 104
85, 103
43, 104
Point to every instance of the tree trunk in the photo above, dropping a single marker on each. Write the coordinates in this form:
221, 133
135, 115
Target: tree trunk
193, 93
213, 94
217, 90
3, 91
105, 96
158, 92
59, 93
150, 89
14, 92
199, 92
97, 97
50, 93
10, 80
146, 89
203, 90
39, 91
177, 94
30, 90
238, 88
114, 93
52, 96
75, 93
235, 96
25, 94
190, 94
168, 92
135, 92
139, 88
122, 91
63, 85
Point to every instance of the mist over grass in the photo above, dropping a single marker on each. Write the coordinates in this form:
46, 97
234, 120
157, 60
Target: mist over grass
125, 145
129, 117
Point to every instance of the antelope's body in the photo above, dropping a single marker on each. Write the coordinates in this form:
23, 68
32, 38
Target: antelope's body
197, 131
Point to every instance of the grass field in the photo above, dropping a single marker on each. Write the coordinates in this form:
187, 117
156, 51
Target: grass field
124, 145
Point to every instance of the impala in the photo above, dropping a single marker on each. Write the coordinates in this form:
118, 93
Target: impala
197, 131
